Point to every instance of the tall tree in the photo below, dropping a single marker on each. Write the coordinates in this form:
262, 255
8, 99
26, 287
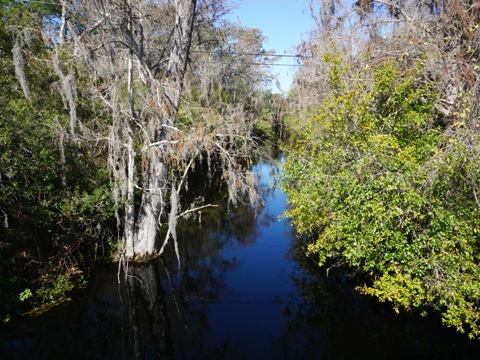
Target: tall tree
131, 58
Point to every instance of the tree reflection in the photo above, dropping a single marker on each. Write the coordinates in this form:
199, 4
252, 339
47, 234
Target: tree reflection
200, 280
327, 318
168, 306
158, 311
150, 330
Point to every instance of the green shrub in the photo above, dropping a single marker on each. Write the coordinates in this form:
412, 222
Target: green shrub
375, 184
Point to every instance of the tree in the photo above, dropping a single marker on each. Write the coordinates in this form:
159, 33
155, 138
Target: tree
55, 205
382, 172
131, 58
230, 69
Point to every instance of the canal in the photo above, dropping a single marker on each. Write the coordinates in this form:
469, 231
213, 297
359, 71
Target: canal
243, 290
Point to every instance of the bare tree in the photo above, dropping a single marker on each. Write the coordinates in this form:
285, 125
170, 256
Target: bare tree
113, 44
134, 55
368, 32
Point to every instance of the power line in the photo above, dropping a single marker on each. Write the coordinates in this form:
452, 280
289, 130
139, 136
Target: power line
252, 63
248, 54
276, 2
291, 56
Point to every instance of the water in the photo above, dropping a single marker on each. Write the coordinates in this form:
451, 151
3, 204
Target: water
243, 291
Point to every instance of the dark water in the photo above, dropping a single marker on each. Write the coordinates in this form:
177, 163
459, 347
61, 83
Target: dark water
243, 291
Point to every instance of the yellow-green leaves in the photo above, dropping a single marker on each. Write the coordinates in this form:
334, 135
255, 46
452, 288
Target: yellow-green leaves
372, 181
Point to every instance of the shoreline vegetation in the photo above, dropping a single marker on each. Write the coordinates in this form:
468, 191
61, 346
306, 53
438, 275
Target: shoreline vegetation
382, 173
107, 120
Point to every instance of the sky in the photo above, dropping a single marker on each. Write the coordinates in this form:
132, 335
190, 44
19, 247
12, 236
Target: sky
284, 22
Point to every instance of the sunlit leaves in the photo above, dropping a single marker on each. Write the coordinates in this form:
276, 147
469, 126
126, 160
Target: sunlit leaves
373, 182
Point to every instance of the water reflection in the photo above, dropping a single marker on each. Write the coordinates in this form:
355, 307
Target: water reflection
244, 291
150, 329
225, 293
326, 318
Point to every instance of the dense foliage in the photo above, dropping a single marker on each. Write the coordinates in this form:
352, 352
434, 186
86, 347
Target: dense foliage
55, 203
383, 167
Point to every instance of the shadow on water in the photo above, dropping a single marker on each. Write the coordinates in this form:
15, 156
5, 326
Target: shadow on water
326, 318
244, 290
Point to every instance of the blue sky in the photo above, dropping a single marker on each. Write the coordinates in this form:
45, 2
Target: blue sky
284, 22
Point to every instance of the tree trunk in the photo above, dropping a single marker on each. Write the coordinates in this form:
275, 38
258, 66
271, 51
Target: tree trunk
130, 204
156, 178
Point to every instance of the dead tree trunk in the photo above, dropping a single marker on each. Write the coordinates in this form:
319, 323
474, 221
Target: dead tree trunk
130, 203
168, 102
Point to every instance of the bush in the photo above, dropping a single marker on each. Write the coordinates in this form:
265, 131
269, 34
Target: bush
377, 185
